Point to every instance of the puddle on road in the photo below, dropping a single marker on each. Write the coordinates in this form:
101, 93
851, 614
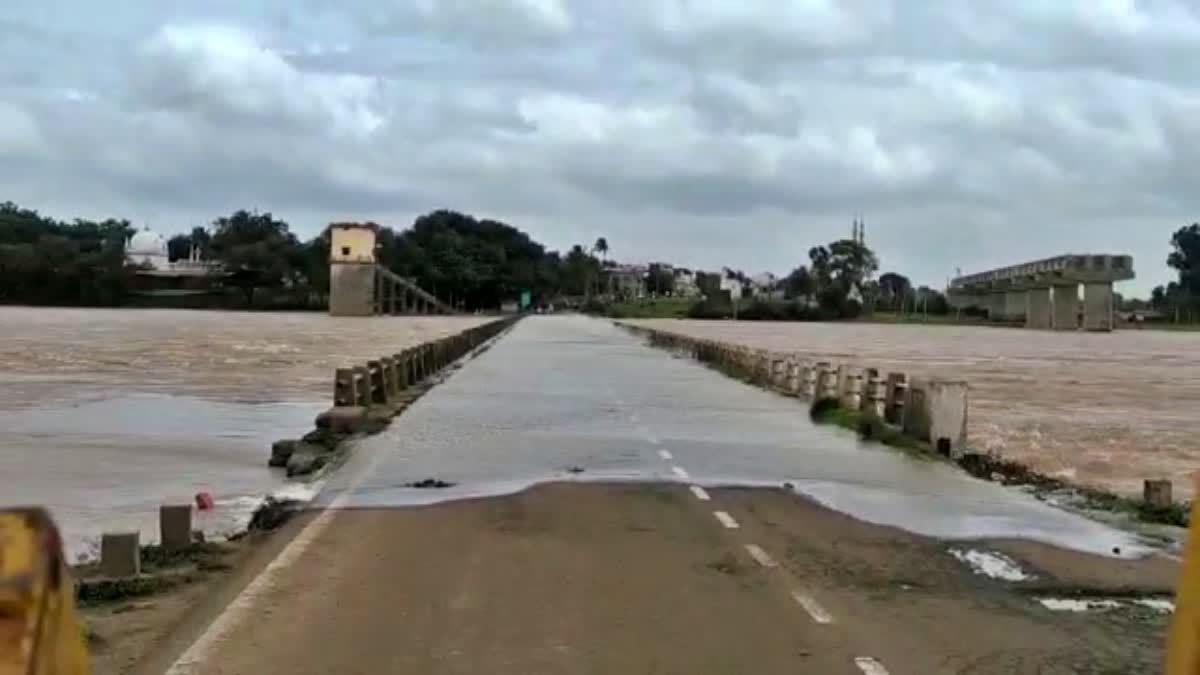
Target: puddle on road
991, 564
1080, 605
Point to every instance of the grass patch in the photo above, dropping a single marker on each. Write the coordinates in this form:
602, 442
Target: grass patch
868, 427
91, 593
1008, 472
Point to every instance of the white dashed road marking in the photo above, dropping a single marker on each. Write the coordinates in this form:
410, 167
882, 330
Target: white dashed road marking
870, 666
814, 608
700, 493
680, 472
726, 520
760, 556
666, 454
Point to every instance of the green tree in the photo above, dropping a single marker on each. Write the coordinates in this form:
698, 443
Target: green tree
1185, 258
799, 284
478, 263
894, 288
660, 280
259, 250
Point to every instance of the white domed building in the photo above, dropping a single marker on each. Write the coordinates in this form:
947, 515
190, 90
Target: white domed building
148, 249
159, 282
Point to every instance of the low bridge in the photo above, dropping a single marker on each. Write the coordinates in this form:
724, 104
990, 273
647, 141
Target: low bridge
360, 286
1045, 293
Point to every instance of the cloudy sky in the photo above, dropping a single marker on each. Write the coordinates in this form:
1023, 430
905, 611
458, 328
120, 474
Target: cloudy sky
969, 134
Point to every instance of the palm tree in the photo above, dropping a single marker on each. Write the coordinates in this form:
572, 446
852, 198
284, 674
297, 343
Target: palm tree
601, 247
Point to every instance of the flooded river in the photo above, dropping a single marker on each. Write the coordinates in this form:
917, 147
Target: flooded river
106, 414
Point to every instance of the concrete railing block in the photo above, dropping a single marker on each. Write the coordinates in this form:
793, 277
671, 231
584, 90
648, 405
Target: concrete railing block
827, 380
850, 384
1156, 494
936, 412
808, 375
874, 398
392, 376
121, 554
343, 387
175, 526
895, 399
362, 386
378, 387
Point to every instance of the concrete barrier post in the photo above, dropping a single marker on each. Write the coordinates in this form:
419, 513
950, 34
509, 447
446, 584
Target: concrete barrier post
343, 387
827, 380
362, 386
377, 384
895, 399
175, 526
793, 374
403, 370
393, 364
389, 377
1156, 494
936, 411
809, 374
851, 388
779, 372
875, 398
120, 555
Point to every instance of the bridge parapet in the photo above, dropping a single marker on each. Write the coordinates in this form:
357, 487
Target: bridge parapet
1091, 268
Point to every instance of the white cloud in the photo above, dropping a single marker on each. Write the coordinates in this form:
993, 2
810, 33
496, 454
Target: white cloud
969, 132
221, 72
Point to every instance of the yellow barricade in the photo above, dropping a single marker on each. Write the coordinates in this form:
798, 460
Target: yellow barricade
40, 633
1183, 643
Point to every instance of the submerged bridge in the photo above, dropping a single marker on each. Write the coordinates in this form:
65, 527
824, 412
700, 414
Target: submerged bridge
360, 286
1045, 293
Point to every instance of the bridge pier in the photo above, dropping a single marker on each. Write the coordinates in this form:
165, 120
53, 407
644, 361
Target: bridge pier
1098, 307
1066, 307
1041, 309
1015, 305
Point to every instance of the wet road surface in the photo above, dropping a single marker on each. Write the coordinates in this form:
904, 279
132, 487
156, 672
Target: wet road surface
572, 398
664, 572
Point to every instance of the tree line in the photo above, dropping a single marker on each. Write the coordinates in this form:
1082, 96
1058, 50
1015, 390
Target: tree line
474, 263
1180, 300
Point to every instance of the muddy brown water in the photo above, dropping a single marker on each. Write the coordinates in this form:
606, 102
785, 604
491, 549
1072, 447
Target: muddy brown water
106, 414
1105, 409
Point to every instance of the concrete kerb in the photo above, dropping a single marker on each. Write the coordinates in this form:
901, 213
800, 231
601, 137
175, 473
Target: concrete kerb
366, 397
938, 407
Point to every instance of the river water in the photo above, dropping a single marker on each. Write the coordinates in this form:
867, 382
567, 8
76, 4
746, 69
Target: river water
107, 414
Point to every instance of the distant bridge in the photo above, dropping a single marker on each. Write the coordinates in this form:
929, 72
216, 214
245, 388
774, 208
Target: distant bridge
1045, 293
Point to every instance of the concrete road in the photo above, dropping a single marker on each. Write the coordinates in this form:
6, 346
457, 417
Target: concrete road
666, 572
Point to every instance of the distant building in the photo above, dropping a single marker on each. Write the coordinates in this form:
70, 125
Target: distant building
156, 277
627, 281
685, 284
765, 286
732, 283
